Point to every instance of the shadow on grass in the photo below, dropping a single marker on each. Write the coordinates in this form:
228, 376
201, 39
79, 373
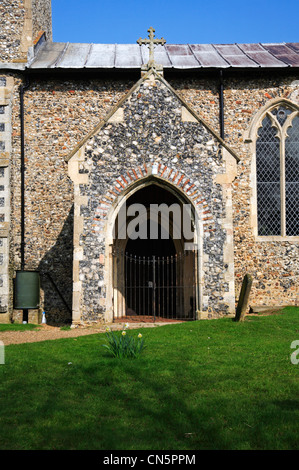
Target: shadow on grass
183, 393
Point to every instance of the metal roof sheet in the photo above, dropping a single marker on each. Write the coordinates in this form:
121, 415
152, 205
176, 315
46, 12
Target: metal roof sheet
176, 56
208, 56
284, 53
127, 56
48, 55
74, 55
260, 55
101, 53
234, 55
181, 56
293, 45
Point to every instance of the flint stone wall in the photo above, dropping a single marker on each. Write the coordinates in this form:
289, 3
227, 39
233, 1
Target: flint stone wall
58, 114
273, 264
151, 133
21, 21
12, 14
57, 117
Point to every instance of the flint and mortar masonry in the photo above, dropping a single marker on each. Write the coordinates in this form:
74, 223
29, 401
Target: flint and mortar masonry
152, 134
58, 115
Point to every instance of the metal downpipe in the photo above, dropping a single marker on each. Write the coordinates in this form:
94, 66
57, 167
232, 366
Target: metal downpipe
221, 106
22, 90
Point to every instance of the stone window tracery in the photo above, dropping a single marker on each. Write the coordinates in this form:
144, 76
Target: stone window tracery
277, 172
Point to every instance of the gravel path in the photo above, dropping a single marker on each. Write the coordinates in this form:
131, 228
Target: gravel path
47, 332
44, 333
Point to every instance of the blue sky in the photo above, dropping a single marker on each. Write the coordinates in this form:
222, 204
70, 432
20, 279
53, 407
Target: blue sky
184, 21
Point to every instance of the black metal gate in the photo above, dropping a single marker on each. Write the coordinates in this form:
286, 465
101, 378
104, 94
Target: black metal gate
155, 287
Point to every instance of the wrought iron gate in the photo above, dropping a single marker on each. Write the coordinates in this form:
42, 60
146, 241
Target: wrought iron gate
155, 287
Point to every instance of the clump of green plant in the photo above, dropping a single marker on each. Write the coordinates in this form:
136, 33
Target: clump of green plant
124, 345
65, 328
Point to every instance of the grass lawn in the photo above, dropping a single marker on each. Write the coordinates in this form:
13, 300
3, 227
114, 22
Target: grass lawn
212, 384
17, 327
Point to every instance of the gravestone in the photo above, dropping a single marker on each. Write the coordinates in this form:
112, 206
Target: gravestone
243, 298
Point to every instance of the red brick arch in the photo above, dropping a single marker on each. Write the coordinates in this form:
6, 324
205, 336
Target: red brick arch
173, 176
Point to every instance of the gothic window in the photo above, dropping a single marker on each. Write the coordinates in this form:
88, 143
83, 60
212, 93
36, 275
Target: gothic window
277, 172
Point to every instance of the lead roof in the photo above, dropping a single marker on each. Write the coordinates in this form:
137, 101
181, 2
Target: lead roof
60, 55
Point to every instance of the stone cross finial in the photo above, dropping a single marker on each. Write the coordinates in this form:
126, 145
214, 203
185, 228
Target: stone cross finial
151, 44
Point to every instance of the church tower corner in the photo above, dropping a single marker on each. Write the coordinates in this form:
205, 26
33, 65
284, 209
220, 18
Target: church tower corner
23, 25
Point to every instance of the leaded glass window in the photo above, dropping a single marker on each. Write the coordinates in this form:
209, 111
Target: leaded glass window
277, 172
292, 178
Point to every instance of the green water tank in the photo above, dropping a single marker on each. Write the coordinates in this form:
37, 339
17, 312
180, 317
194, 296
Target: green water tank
27, 290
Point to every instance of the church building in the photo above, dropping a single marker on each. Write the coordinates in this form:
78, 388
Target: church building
144, 181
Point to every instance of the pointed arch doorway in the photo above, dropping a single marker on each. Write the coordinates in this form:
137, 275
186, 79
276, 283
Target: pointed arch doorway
155, 268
